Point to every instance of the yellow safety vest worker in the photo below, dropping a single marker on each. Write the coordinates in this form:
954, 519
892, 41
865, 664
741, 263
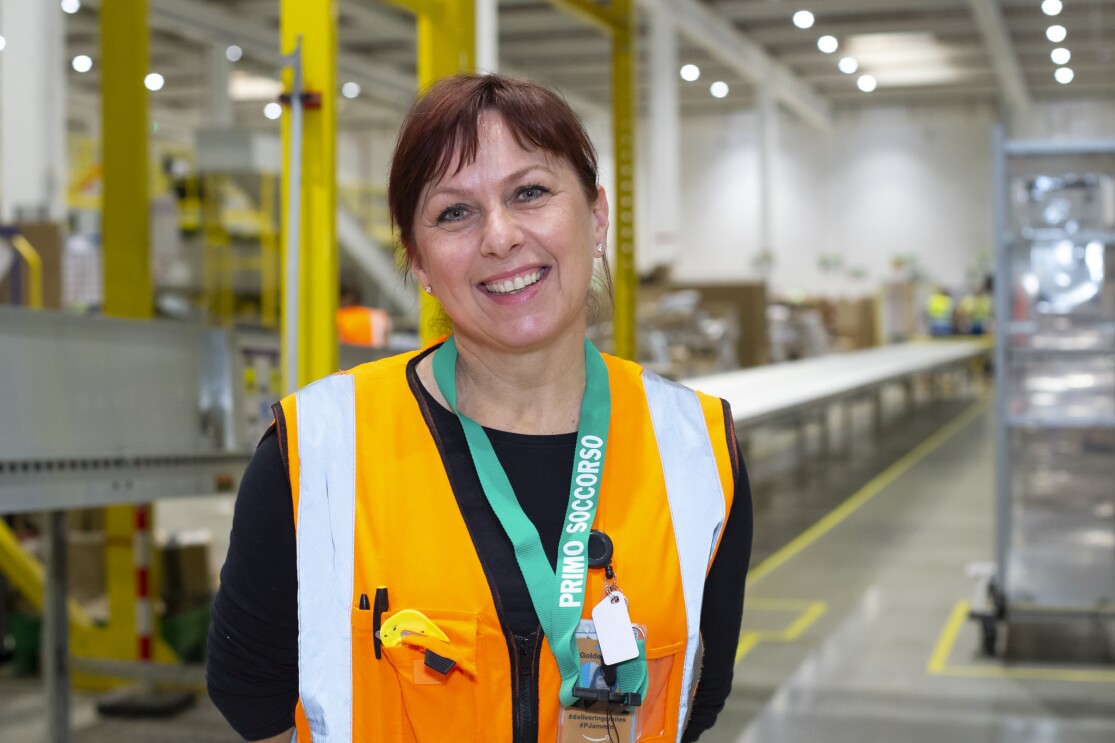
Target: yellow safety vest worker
940, 307
374, 507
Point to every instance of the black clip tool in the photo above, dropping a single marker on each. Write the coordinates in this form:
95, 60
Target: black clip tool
377, 618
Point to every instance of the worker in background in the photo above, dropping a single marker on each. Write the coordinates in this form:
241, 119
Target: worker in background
974, 314
939, 310
358, 325
504, 534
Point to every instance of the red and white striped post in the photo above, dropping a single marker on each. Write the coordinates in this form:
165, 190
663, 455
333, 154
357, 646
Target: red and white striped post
141, 547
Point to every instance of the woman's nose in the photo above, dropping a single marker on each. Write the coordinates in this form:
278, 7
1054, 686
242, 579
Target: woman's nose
503, 232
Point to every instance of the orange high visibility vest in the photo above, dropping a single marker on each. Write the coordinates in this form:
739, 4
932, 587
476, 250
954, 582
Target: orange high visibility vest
373, 507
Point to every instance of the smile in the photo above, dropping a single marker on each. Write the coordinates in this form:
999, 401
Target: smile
515, 285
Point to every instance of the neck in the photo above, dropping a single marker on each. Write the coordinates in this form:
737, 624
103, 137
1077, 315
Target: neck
533, 392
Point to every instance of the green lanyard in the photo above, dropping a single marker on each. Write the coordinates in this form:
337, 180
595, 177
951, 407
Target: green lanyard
557, 596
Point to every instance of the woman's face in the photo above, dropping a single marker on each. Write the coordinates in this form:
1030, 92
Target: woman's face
508, 243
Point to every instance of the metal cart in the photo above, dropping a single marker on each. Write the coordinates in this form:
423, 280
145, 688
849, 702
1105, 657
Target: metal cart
1055, 385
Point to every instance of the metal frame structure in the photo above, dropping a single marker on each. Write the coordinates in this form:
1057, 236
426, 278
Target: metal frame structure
1002, 607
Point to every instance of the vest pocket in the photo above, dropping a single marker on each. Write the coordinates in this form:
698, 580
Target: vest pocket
439, 706
658, 714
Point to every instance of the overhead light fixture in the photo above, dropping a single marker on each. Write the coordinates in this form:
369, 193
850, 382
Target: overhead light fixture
83, 63
866, 83
1051, 7
71, 6
272, 110
900, 60
1064, 75
244, 86
1056, 33
690, 72
154, 81
803, 19
828, 44
848, 65
234, 53
1060, 55
350, 89
719, 89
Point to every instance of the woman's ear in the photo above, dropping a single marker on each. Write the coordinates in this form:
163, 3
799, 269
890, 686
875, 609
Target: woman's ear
600, 216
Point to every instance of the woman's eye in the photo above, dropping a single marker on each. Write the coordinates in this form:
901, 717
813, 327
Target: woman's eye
454, 213
529, 193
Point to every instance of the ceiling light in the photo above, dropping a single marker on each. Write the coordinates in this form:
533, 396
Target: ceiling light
154, 81
803, 19
828, 44
1064, 75
350, 89
1056, 34
848, 65
866, 83
272, 110
244, 86
234, 53
1060, 55
83, 63
719, 89
71, 6
1051, 7
690, 72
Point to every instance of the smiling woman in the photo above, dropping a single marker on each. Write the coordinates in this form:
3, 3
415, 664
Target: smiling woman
514, 441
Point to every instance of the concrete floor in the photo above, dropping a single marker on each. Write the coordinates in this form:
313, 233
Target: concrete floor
852, 633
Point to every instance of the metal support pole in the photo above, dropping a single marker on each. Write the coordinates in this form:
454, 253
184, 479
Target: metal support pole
487, 35
292, 211
665, 168
768, 155
311, 27
55, 648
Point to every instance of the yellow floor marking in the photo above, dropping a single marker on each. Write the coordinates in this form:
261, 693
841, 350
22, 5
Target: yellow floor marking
866, 493
810, 612
939, 662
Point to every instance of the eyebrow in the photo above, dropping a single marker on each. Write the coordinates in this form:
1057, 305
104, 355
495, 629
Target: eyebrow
517, 175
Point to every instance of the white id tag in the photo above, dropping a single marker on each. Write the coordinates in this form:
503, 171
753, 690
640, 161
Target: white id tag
613, 629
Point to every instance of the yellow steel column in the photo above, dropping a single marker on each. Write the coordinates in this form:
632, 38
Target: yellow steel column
623, 124
127, 275
446, 46
316, 24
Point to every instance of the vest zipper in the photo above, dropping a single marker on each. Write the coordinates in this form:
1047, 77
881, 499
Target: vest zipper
524, 705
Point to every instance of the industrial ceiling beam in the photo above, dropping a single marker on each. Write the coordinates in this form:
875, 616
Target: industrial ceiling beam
989, 19
205, 24
704, 28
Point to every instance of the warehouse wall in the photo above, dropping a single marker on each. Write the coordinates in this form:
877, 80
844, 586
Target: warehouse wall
886, 182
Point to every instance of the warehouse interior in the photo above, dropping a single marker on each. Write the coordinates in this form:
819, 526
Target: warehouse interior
882, 230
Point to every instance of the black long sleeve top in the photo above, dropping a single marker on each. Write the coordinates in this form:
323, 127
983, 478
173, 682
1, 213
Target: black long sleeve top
253, 638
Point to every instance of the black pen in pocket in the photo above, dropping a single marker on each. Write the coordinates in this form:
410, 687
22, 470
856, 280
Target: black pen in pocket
377, 617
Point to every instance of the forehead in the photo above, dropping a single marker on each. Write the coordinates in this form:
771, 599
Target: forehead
495, 142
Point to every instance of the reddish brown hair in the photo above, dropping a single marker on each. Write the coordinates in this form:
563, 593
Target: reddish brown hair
443, 122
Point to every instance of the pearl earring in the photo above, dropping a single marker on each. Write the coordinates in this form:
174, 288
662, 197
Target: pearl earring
429, 289
600, 248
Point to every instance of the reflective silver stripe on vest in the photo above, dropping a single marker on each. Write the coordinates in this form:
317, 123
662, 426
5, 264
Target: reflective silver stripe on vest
696, 498
326, 416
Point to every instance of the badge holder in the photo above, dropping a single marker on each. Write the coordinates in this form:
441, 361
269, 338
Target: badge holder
601, 712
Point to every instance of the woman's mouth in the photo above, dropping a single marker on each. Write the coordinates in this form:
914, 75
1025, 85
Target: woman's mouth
516, 284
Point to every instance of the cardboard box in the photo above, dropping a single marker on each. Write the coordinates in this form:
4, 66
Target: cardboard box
749, 301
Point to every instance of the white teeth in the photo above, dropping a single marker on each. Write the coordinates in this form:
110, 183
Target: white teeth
514, 285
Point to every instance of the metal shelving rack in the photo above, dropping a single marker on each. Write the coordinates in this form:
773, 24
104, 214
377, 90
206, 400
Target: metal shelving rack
1055, 384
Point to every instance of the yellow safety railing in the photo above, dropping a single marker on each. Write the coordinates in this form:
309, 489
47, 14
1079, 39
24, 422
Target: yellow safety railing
34, 270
